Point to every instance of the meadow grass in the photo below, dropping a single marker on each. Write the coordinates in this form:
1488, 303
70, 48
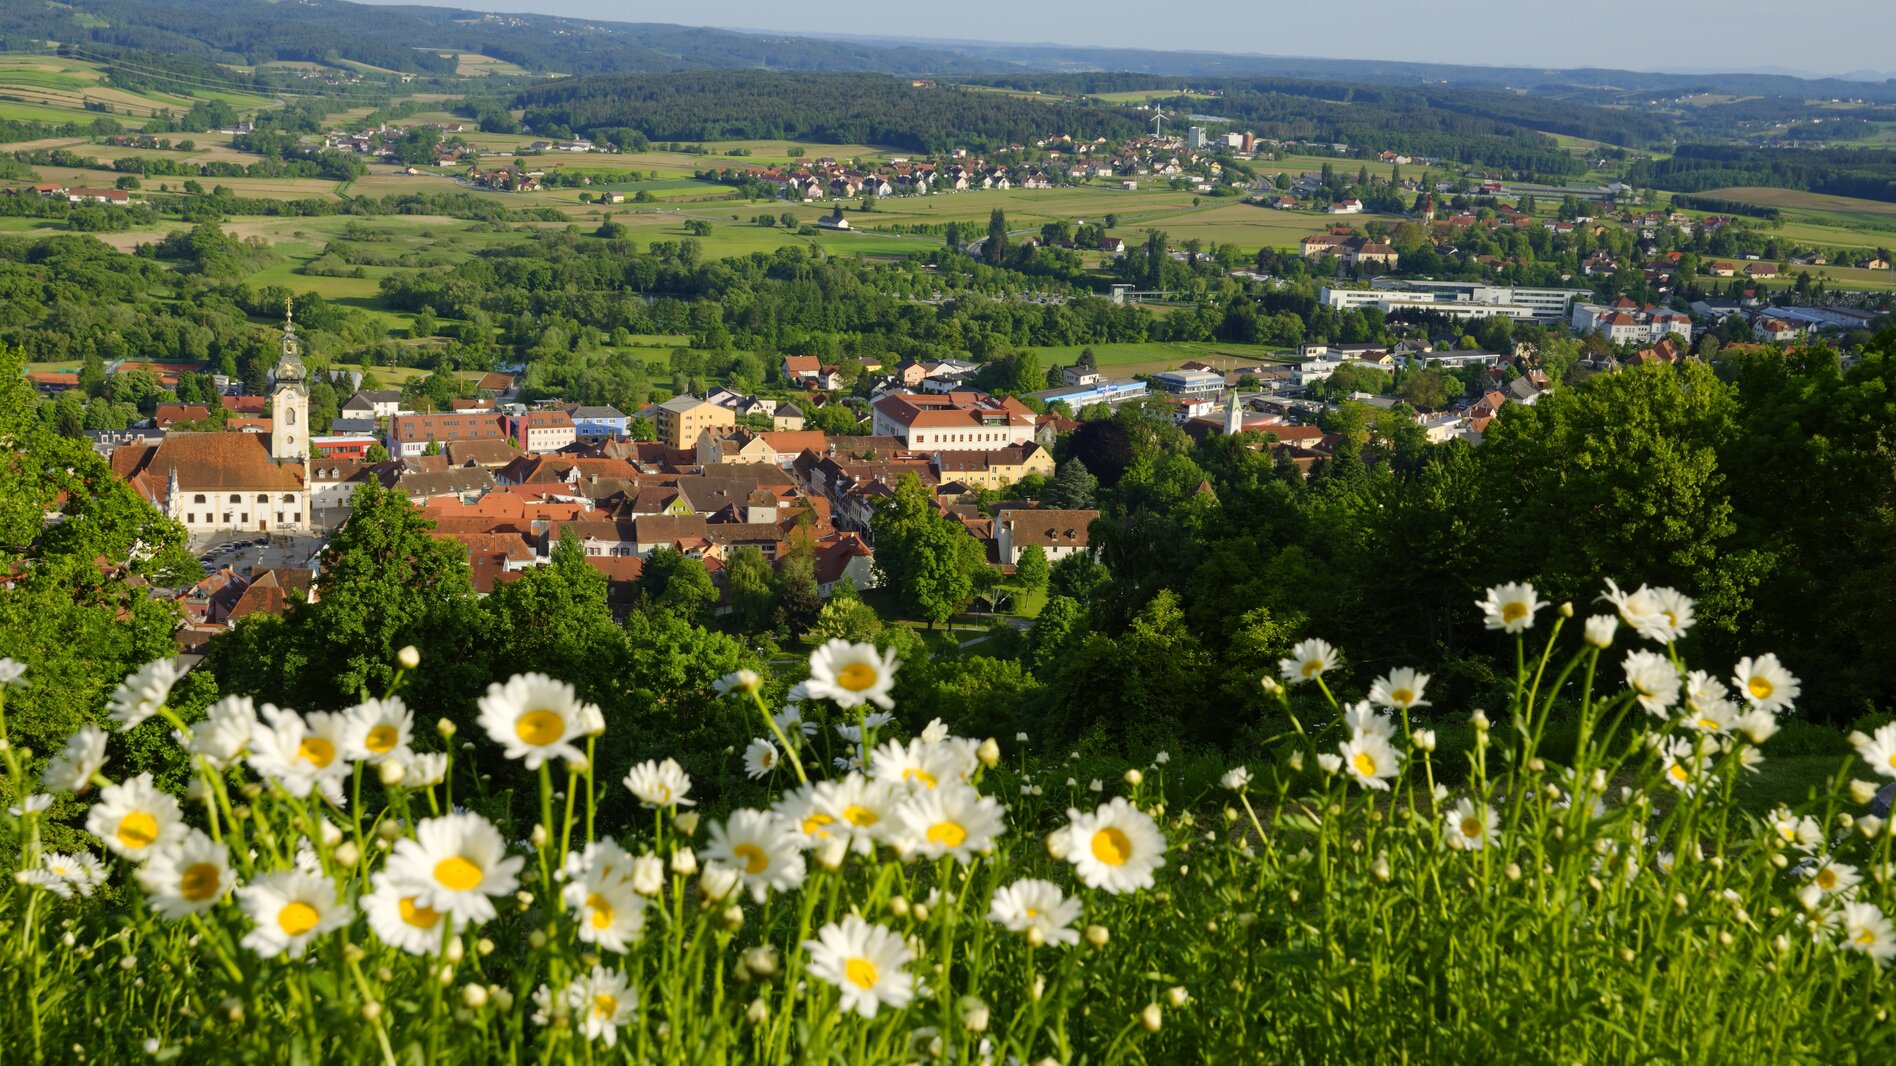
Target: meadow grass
1573, 876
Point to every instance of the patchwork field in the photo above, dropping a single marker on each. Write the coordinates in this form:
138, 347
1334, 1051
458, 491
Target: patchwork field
1798, 200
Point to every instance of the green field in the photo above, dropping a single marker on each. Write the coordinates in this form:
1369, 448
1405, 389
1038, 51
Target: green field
1153, 356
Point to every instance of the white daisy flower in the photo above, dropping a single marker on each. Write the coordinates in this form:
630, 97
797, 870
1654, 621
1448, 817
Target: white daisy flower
953, 820
11, 670
33, 804
143, 691
1399, 689
1758, 725
81, 869
660, 784
301, 753
225, 733
1309, 659
1329, 763
603, 858
1600, 629
762, 849
401, 919
426, 769
187, 876
601, 1001
456, 864
1653, 680
1469, 827
1765, 683
915, 765
534, 718
865, 962
858, 807
609, 913
1867, 929
1115, 848
1836, 878
744, 681
1237, 779
134, 819
1674, 614
798, 808
1363, 720
1510, 607
73, 769
852, 674
791, 721
760, 758
1370, 759
290, 908
45, 881
1032, 903
1682, 764
935, 731
1706, 709
379, 730
1802, 833
1878, 749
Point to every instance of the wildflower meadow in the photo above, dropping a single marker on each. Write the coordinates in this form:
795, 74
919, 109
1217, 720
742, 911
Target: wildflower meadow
332, 887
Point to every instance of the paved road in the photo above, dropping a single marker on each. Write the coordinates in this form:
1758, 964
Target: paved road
251, 551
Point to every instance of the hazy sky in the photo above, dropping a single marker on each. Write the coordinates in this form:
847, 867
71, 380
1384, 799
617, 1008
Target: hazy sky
1822, 36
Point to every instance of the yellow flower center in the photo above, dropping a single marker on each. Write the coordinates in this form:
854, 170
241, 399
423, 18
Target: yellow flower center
458, 874
857, 677
1865, 937
947, 834
1111, 846
1892, 760
916, 775
316, 750
1759, 687
861, 972
1678, 772
605, 1006
138, 830
381, 740
1708, 725
1826, 879
1472, 827
755, 861
1513, 611
1402, 697
199, 882
1312, 667
601, 911
419, 917
860, 816
813, 825
296, 918
540, 728
1365, 763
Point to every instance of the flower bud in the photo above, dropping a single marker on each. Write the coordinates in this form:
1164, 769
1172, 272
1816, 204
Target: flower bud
484, 947
370, 1011
1152, 1017
758, 1012
732, 917
389, 830
391, 772
538, 837
989, 753
716, 882
444, 727
578, 766
536, 940
1035, 936
475, 996
762, 961
1296, 761
409, 657
686, 823
684, 862
1479, 720
1566, 609
331, 834
920, 910
455, 951
899, 906
1271, 686
1861, 791
1134, 777
831, 852
648, 875
347, 854
1097, 935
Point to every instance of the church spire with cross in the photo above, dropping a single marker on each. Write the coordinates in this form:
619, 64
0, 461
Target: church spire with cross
289, 397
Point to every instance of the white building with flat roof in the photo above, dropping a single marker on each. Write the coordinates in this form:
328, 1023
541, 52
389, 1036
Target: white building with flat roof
1458, 299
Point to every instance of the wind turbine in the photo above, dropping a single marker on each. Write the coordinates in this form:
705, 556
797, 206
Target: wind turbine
1158, 121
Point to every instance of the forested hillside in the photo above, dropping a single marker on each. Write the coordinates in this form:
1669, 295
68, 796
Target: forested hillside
1865, 173
838, 108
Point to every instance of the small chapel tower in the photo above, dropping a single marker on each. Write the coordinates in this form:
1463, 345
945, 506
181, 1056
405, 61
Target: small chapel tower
289, 399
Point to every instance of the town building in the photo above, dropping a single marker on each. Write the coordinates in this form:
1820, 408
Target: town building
682, 419
953, 421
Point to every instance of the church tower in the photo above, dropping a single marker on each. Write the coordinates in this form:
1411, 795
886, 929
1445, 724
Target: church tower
289, 399
1234, 416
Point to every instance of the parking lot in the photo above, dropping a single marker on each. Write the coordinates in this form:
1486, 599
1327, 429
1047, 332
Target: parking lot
247, 552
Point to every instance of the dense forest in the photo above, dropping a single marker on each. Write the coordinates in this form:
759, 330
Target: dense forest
425, 39
836, 108
1866, 173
